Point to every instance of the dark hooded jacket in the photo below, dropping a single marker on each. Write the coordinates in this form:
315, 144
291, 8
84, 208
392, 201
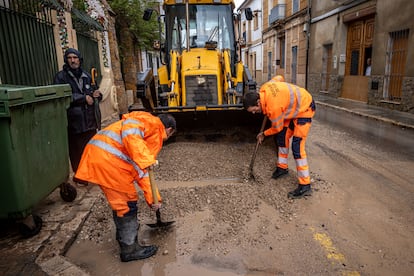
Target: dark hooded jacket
81, 116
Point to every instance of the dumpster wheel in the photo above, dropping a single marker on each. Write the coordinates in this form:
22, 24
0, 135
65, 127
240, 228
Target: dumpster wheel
67, 192
28, 231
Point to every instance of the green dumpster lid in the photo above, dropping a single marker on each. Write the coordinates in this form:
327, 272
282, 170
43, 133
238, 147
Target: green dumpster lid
13, 95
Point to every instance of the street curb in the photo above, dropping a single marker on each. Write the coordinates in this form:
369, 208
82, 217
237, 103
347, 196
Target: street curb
59, 265
362, 114
52, 261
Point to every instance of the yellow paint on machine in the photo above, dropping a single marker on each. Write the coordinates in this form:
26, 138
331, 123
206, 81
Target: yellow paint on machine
332, 253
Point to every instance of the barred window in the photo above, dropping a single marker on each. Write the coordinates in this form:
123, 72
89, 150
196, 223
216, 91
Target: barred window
395, 64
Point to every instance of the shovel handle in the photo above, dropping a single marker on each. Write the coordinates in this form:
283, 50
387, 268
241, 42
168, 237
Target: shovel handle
257, 144
153, 186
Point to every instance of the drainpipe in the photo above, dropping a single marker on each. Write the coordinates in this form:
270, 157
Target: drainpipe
308, 21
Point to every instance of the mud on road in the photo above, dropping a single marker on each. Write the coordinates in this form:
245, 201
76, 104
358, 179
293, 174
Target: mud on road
225, 223
358, 220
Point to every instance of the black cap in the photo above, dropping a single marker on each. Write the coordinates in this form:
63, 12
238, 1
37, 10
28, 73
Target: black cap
168, 121
72, 51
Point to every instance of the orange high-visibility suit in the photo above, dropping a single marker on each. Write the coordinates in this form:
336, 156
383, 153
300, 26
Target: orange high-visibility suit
290, 109
119, 155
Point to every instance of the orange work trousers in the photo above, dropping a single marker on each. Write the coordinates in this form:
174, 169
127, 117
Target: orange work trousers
297, 130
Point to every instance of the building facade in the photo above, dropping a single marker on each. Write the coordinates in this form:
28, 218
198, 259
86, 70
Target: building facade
359, 50
251, 30
284, 39
353, 49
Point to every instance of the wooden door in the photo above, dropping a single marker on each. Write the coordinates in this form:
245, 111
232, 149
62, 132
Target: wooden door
326, 67
359, 49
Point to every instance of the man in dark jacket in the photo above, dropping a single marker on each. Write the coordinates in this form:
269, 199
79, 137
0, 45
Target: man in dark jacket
82, 119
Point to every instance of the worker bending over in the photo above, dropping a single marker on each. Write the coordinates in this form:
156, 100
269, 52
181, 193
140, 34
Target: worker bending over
290, 110
116, 158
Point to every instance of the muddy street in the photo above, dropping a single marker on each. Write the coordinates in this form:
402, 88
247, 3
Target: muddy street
358, 220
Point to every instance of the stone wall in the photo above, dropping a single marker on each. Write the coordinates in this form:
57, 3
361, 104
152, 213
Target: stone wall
335, 84
375, 95
314, 83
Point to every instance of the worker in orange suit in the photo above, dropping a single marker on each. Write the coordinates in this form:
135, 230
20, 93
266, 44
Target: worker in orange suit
119, 157
290, 110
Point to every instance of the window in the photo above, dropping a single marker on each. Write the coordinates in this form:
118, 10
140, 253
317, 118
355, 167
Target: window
282, 52
207, 23
295, 6
294, 63
256, 21
269, 65
244, 32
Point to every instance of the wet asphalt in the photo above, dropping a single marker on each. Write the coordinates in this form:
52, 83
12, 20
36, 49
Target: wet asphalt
43, 254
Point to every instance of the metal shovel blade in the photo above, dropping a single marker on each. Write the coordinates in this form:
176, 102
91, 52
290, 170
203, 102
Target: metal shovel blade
159, 223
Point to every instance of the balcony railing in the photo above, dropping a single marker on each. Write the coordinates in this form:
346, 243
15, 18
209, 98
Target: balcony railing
277, 13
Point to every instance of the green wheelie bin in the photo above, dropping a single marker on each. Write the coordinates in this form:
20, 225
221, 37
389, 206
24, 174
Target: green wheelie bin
34, 151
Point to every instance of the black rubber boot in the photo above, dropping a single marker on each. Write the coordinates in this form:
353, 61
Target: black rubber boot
301, 191
127, 237
117, 224
136, 252
279, 172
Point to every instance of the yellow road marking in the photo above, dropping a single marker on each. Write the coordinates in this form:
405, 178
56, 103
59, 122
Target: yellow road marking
332, 253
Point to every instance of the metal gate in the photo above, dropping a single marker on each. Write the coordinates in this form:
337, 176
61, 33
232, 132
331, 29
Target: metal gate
87, 32
27, 47
88, 46
395, 64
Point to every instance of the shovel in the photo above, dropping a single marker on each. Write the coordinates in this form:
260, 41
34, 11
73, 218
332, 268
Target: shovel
255, 150
159, 223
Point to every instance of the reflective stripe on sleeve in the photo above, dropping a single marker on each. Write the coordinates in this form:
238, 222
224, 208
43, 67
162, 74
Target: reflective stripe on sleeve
131, 121
292, 94
112, 135
132, 131
291, 99
117, 153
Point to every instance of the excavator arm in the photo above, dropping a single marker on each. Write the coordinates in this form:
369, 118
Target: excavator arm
230, 92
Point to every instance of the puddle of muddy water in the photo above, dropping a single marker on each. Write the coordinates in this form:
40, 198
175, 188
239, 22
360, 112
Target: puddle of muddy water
103, 259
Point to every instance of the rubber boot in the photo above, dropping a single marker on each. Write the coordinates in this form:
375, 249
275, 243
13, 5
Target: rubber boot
279, 172
301, 191
116, 220
127, 236
136, 252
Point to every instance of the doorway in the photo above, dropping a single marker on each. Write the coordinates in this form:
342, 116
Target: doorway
326, 67
359, 49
